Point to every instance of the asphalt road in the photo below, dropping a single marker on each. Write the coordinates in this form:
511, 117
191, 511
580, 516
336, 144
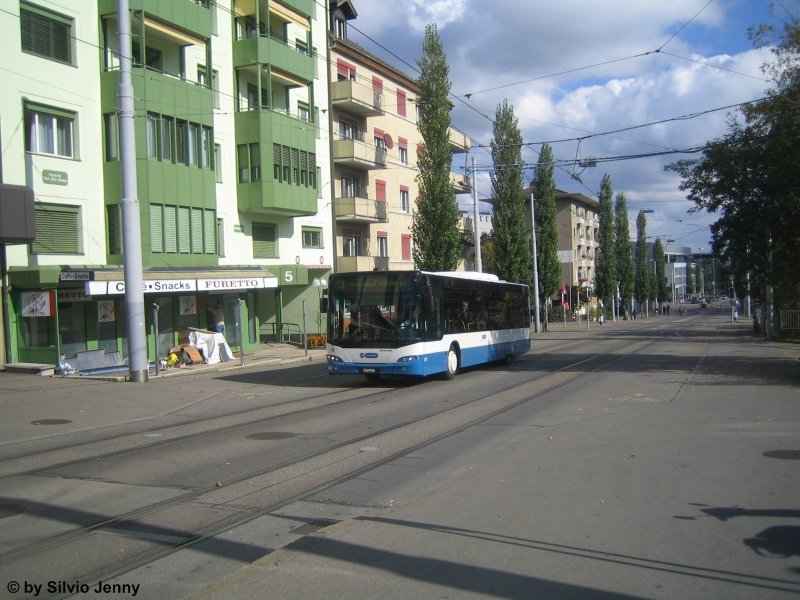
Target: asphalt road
651, 459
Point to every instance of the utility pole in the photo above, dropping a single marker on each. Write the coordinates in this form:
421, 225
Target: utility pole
478, 260
131, 226
535, 267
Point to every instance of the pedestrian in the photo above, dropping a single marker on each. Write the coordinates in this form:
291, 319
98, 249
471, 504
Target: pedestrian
218, 314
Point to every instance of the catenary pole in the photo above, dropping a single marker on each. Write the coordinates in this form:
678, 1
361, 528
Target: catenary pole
535, 267
478, 260
131, 226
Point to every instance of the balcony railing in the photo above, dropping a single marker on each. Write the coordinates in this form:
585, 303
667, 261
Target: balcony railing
357, 99
362, 263
354, 153
460, 183
360, 210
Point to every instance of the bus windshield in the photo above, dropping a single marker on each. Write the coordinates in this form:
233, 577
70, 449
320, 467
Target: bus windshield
376, 310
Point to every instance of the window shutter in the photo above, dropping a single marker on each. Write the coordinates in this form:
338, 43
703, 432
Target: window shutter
264, 240
197, 231
170, 229
210, 232
56, 230
114, 229
156, 228
184, 230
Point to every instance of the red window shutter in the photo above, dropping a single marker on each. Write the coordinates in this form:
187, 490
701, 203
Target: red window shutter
402, 142
380, 190
383, 234
345, 69
401, 103
377, 85
405, 244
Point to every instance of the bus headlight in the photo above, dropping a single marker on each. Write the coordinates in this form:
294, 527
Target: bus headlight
407, 358
334, 358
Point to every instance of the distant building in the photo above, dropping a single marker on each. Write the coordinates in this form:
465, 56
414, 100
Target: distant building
577, 225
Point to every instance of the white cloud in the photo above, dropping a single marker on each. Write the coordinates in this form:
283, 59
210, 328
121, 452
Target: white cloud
574, 68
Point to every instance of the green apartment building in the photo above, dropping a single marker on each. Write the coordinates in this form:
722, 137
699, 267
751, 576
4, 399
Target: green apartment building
231, 165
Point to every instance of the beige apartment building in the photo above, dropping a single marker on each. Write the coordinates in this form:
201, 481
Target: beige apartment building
374, 148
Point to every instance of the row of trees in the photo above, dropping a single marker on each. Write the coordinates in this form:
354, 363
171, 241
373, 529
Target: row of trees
508, 250
750, 178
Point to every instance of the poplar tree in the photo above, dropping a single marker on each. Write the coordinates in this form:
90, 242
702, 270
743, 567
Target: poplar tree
511, 245
623, 251
605, 278
437, 241
659, 256
642, 277
544, 191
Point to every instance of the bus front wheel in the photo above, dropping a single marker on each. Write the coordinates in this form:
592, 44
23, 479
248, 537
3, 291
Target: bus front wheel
452, 363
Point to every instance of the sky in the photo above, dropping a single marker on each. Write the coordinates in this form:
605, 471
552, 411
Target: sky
576, 70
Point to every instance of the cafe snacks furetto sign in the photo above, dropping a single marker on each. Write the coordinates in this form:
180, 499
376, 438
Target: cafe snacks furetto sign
170, 286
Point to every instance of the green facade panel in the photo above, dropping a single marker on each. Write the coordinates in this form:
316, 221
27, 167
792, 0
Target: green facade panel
189, 16
268, 195
269, 51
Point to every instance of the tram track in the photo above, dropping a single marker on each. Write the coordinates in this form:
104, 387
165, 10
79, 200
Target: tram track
256, 493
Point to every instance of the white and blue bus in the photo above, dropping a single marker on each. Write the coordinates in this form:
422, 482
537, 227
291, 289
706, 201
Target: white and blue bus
420, 323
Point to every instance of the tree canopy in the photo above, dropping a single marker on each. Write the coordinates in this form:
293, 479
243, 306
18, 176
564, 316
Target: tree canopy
512, 252
750, 179
437, 241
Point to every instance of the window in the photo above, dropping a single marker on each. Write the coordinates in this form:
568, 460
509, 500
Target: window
350, 186
345, 71
265, 242
218, 163
192, 143
181, 141
152, 129
302, 111
383, 244
111, 127
405, 205
312, 237
49, 131
152, 58
46, 33
202, 79
351, 243
402, 149
205, 147
57, 229
243, 158
347, 130
167, 142
255, 162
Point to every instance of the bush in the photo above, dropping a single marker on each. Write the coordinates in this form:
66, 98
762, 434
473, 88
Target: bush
317, 341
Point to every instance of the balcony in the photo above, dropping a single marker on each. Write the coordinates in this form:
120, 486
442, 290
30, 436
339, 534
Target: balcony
460, 183
358, 154
356, 99
459, 142
360, 210
349, 264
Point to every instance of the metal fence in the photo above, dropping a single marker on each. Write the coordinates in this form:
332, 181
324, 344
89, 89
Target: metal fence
790, 319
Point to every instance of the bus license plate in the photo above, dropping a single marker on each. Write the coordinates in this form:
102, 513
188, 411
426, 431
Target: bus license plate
369, 370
